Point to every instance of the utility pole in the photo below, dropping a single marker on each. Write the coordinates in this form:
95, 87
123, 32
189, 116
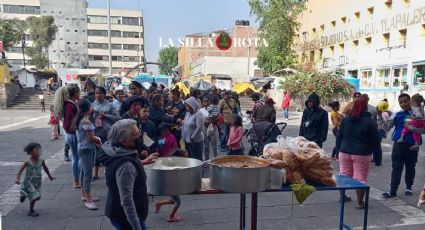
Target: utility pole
23, 57
108, 2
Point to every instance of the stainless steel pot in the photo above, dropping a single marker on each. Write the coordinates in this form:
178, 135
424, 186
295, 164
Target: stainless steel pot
239, 180
165, 180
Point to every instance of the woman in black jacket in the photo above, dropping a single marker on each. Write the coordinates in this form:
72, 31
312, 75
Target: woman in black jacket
315, 122
356, 141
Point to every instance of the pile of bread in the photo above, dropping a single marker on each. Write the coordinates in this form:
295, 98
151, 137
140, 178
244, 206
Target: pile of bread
301, 160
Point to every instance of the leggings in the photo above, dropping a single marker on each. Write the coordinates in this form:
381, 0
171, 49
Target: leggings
86, 158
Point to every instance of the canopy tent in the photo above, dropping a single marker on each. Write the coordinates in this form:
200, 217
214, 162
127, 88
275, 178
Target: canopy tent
163, 79
182, 88
203, 85
243, 86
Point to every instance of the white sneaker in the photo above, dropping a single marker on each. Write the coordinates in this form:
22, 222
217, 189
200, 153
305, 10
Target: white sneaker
91, 205
93, 198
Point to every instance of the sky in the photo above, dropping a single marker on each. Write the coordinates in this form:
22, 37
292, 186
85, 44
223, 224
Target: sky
176, 18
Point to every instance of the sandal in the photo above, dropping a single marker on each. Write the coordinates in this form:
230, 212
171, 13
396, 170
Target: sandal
33, 213
388, 195
174, 219
76, 185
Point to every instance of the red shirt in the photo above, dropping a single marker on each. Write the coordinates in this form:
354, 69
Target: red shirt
69, 111
286, 102
169, 143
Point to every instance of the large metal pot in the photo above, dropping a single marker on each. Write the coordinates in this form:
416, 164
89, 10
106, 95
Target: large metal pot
239, 174
174, 176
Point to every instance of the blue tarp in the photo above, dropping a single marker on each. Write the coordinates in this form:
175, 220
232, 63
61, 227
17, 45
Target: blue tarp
354, 82
159, 79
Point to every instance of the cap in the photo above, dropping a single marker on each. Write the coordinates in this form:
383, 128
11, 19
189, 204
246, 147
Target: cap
133, 99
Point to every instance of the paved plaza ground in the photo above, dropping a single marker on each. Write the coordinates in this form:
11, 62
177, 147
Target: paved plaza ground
61, 208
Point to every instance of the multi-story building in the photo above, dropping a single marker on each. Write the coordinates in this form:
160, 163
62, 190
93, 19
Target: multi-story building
379, 42
127, 39
69, 49
19, 9
199, 54
82, 38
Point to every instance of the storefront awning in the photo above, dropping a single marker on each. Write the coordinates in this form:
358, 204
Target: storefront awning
419, 63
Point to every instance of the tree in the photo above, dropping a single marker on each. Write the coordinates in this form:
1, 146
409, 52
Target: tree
278, 25
329, 86
168, 59
42, 30
11, 32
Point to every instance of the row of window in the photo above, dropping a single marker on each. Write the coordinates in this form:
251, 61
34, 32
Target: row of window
14, 9
115, 46
357, 16
384, 78
114, 33
114, 58
19, 62
96, 19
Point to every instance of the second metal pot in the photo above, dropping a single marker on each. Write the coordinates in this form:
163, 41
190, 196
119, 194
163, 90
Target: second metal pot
239, 180
167, 181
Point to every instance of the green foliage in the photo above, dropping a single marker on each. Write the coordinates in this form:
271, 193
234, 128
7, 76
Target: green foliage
278, 25
11, 32
168, 59
42, 30
329, 86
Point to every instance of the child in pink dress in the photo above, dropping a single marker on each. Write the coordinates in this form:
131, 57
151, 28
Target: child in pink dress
54, 123
416, 120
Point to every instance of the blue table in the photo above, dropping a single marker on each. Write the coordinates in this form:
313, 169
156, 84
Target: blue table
344, 183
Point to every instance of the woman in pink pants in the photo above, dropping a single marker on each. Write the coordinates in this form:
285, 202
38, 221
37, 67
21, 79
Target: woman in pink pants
356, 141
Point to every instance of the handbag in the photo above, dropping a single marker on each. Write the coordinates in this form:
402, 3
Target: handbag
210, 130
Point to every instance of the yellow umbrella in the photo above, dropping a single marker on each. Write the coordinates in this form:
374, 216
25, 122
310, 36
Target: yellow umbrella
242, 86
183, 87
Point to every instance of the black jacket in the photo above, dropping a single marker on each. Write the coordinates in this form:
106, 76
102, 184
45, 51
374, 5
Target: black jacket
358, 137
315, 121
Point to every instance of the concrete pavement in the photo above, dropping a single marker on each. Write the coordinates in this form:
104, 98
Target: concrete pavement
61, 208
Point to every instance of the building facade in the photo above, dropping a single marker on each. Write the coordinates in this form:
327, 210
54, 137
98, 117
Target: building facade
69, 49
82, 38
127, 39
379, 42
199, 54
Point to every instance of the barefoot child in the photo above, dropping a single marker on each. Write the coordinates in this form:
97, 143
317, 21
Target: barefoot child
54, 123
416, 120
31, 185
167, 146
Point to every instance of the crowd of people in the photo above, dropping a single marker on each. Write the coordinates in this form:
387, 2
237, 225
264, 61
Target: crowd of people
125, 131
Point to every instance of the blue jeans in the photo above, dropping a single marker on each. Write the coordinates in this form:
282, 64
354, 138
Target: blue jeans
195, 150
71, 140
286, 113
117, 225
86, 171
223, 139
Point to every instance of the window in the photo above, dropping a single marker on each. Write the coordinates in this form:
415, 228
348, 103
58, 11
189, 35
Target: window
333, 23
320, 53
75, 30
389, 4
403, 34
68, 43
67, 30
399, 76
383, 78
356, 43
322, 27
419, 73
127, 34
357, 15
341, 48
368, 40
130, 59
100, 33
98, 58
103, 46
370, 11
366, 80
305, 36
15, 49
130, 47
115, 33
52, 12
314, 30
386, 39
96, 19
116, 58
312, 56
76, 43
344, 19
130, 21
115, 46
15, 9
